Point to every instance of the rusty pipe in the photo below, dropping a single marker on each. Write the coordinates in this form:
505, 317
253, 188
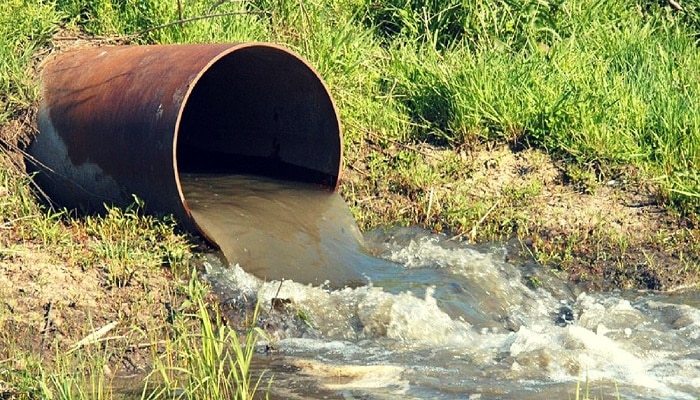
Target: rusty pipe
128, 120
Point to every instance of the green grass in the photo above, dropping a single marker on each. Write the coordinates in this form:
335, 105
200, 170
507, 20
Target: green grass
157, 21
195, 357
24, 28
212, 364
600, 86
125, 241
584, 393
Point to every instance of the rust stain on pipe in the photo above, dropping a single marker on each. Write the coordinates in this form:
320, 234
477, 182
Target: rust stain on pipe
117, 121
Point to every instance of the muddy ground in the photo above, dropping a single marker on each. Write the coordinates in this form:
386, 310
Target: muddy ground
610, 233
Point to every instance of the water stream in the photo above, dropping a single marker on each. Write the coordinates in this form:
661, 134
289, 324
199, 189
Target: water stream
434, 318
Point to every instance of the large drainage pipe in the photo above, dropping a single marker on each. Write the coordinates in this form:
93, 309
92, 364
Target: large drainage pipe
118, 121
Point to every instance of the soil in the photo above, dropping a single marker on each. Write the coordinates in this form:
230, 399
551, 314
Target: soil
46, 304
611, 230
609, 234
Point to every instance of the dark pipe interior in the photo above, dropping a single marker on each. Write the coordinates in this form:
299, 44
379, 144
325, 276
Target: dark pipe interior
260, 111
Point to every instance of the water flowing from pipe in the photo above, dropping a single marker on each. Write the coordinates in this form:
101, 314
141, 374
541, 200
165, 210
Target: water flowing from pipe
436, 318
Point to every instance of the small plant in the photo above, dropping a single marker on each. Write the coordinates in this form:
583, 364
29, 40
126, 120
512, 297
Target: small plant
213, 364
124, 241
584, 393
582, 179
201, 358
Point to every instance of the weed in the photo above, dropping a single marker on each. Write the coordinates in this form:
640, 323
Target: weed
124, 241
213, 364
205, 360
584, 393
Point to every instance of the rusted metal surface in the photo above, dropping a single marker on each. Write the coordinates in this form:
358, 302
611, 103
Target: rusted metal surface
128, 120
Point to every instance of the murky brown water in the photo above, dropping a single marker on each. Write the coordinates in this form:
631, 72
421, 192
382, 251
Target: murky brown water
279, 229
440, 319
457, 321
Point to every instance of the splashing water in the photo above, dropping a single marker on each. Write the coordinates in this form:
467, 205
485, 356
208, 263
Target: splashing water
278, 229
444, 319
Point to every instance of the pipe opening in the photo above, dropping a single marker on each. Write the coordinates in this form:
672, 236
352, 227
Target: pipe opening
156, 121
260, 110
118, 121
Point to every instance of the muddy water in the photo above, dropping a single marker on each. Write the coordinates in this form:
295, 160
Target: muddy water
444, 319
279, 229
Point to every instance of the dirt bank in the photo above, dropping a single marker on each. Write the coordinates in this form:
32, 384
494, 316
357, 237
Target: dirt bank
605, 233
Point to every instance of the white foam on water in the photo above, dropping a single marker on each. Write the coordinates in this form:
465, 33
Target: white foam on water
614, 340
503, 340
421, 320
402, 316
680, 317
343, 377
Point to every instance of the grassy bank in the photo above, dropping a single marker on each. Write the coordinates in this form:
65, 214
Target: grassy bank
599, 85
568, 127
604, 91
